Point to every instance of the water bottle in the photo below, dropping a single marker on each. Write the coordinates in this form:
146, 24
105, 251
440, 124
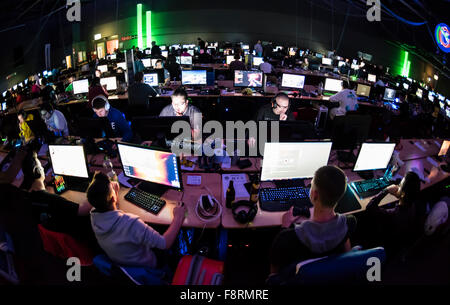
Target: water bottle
108, 166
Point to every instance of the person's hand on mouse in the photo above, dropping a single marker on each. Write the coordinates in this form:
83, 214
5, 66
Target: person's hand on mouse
179, 212
288, 218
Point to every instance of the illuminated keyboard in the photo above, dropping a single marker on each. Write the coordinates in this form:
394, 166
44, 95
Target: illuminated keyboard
281, 199
146, 201
368, 188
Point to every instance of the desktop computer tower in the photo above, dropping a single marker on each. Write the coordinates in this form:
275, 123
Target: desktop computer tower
322, 116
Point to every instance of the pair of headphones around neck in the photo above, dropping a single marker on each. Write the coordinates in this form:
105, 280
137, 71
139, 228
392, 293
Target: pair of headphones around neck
244, 216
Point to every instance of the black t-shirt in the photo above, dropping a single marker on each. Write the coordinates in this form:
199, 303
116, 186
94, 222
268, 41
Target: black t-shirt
265, 113
139, 93
53, 211
288, 249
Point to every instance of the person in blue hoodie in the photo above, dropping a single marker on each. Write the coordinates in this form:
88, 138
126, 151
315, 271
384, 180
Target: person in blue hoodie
119, 124
324, 233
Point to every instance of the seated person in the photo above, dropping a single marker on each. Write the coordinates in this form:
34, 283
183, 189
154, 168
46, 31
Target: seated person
69, 87
325, 233
54, 119
180, 106
124, 237
47, 91
401, 223
96, 89
347, 99
119, 124
54, 212
173, 67
236, 64
266, 67
185, 53
278, 110
139, 92
160, 65
25, 132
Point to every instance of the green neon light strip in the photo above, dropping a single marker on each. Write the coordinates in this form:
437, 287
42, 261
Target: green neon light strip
139, 26
148, 16
407, 69
405, 64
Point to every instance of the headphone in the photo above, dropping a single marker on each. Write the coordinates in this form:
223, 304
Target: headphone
107, 105
273, 101
243, 216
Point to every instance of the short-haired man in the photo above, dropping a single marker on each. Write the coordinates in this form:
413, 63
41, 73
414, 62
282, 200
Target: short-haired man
119, 124
278, 110
124, 237
139, 92
324, 233
180, 106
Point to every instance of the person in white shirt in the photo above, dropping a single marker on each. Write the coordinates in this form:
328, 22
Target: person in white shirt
54, 119
347, 99
266, 67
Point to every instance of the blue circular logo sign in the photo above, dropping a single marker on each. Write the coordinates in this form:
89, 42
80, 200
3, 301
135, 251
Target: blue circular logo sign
442, 34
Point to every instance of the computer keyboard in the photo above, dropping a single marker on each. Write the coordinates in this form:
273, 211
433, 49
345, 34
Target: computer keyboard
281, 199
144, 200
368, 188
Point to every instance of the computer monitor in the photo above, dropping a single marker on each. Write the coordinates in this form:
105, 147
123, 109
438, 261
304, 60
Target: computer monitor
175, 46
292, 81
441, 97
355, 67
147, 62
163, 48
3, 106
156, 128
122, 65
256, 61
102, 68
363, 90
112, 56
89, 127
354, 62
25, 81
318, 55
110, 82
188, 46
245, 47
15, 87
419, 93
151, 79
405, 86
389, 94
333, 85
371, 78
165, 54
252, 79
341, 63
148, 51
4, 93
45, 72
373, 156
431, 96
193, 77
68, 160
186, 60
284, 161
444, 148
151, 165
153, 62
191, 52
327, 61
230, 58
80, 86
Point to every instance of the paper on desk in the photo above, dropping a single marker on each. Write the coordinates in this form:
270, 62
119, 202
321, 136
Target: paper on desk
420, 146
238, 181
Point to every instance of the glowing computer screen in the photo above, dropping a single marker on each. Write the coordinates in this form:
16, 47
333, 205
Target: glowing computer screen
68, 160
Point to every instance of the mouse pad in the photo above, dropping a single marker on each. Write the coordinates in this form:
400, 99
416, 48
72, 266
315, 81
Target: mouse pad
348, 203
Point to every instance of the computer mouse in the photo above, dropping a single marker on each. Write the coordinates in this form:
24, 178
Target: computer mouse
301, 211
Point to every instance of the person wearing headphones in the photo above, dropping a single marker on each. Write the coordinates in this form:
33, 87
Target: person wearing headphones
54, 119
277, 110
180, 106
126, 238
347, 99
160, 65
119, 124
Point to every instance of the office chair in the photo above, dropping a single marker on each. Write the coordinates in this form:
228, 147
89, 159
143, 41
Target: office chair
349, 267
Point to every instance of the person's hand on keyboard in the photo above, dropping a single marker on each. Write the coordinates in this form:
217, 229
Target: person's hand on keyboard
393, 190
288, 218
179, 212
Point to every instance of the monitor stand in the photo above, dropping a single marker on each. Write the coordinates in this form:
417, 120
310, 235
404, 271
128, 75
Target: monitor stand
346, 156
290, 183
153, 188
366, 175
